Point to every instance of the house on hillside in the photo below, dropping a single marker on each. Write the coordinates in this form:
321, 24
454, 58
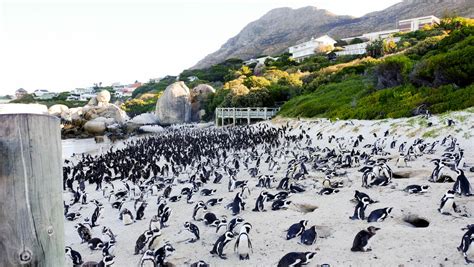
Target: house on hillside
20, 93
409, 25
353, 49
304, 50
125, 90
259, 61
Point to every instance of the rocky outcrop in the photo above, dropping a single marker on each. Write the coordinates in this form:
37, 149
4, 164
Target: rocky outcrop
281, 28
199, 94
174, 106
57, 110
95, 127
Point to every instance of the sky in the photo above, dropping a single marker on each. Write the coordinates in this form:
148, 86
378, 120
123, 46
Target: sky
60, 45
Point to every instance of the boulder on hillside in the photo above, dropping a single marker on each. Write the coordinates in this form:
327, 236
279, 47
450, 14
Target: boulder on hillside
174, 106
102, 99
95, 127
199, 95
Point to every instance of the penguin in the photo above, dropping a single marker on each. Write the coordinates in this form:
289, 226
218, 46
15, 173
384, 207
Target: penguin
107, 234
358, 196
154, 241
379, 215
154, 223
175, 198
208, 192
95, 244
165, 217
211, 219
416, 189
308, 237
328, 191
74, 255
118, 204
109, 248
222, 223
233, 223
126, 216
200, 264
284, 184
362, 239
280, 204
73, 216
193, 229
95, 216
466, 241
237, 204
106, 261
282, 195
243, 243
294, 188
214, 201
142, 241
447, 204
84, 232
296, 259
219, 245
259, 204
198, 211
141, 211
359, 211
462, 185
296, 229
161, 254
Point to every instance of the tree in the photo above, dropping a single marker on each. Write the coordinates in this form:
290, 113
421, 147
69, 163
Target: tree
389, 46
375, 48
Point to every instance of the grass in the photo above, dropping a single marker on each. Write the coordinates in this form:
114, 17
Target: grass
431, 133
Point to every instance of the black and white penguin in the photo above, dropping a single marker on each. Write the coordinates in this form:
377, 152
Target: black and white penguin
379, 215
208, 192
233, 223
308, 237
211, 219
214, 201
96, 215
462, 185
416, 189
219, 245
200, 264
154, 223
175, 198
141, 211
95, 244
284, 184
447, 204
198, 211
74, 255
296, 259
296, 229
161, 254
109, 248
243, 245
106, 261
466, 241
282, 195
107, 234
260, 203
142, 241
328, 191
359, 211
84, 232
358, 196
237, 204
73, 216
362, 239
126, 216
193, 229
154, 241
280, 204
165, 217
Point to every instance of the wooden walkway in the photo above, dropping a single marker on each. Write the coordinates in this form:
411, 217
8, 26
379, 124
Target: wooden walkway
244, 113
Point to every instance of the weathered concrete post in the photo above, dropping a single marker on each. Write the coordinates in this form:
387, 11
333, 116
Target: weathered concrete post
31, 206
217, 117
233, 117
248, 115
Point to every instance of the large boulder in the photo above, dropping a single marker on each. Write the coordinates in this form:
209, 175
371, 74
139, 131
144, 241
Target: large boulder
108, 111
174, 106
199, 95
57, 110
95, 127
102, 99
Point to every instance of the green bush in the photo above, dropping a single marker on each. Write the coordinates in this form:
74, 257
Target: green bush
393, 71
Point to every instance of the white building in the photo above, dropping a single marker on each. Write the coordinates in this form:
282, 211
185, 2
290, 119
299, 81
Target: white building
304, 50
354, 49
372, 36
80, 91
259, 61
409, 25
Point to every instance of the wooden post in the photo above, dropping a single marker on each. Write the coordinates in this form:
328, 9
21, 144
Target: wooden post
265, 113
248, 115
31, 205
217, 117
233, 117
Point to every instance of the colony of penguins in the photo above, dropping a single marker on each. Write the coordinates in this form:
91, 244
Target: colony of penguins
262, 167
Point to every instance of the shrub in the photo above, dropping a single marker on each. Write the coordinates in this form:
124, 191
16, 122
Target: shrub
393, 71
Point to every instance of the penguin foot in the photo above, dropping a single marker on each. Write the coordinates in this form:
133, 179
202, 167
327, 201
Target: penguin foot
222, 256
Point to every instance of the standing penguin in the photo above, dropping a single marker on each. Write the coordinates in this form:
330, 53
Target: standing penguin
466, 241
126, 216
218, 247
462, 185
74, 255
96, 215
379, 215
142, 241
296, 229
238, 204
141, 211
193, 229
259, 204
296, 259
243, 243
84, 232
154, 241
359, 211
362, 239
198, 211
447, 204
308, 237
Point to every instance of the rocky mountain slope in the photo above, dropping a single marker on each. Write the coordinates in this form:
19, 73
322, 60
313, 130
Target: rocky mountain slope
283, 27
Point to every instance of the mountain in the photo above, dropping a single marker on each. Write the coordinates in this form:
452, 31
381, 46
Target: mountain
283, 27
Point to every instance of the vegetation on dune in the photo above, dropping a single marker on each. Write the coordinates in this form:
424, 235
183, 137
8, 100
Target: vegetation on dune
154, 87
145, 103
60, 99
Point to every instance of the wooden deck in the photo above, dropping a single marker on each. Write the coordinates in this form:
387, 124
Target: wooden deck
261, 113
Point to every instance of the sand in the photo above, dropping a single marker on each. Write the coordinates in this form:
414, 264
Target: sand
397, 243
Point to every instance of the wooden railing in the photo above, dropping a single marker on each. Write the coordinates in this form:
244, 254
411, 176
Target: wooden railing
262, 113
